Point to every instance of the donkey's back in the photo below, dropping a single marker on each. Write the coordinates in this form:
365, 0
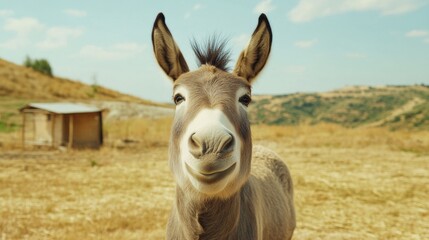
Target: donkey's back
269, 177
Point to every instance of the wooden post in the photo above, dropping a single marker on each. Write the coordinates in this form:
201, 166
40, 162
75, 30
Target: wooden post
34, 128
53, 129
70, 131
100, 127
23, 130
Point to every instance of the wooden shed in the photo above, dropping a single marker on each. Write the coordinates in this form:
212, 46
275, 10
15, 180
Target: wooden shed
62, 124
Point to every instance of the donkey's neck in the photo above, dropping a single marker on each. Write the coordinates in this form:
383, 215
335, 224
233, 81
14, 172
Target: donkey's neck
216, 218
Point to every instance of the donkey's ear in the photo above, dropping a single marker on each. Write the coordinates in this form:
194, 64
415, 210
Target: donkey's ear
252, 60
166, 51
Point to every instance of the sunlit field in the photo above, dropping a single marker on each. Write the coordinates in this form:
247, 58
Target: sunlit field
349, 184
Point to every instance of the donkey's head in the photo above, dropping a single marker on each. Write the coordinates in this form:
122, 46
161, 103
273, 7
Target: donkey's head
210, 145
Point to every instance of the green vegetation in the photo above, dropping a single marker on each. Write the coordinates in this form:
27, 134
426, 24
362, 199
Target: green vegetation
395, 107
40, 65
7, 127
94, 90
6, 124
10, 118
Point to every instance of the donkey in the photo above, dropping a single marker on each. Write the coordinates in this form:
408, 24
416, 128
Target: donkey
225, 189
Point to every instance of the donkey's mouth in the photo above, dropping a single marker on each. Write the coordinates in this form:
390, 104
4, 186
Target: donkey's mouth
210, 177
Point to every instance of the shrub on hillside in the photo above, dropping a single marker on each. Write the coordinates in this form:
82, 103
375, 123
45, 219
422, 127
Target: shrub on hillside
40, 65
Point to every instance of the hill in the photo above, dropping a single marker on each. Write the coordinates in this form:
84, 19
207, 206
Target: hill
20, 85
395, 107
19, 82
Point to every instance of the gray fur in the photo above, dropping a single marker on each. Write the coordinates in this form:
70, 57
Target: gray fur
258, 203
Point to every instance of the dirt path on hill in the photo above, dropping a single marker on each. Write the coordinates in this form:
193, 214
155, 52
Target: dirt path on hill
397, 112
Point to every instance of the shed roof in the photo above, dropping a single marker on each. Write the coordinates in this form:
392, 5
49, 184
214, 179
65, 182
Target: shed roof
63, 108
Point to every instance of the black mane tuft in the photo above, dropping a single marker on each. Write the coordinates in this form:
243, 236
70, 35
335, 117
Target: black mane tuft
213, 52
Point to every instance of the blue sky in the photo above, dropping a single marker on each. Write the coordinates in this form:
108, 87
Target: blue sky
318, 45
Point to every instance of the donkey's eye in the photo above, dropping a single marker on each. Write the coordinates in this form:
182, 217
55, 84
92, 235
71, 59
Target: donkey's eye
178, 99
245, 100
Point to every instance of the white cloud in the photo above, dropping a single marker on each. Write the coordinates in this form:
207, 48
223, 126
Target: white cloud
241, 41
307, 10
23, 29
57, 37
75, 13
197, 6
265, 6
6, 13
115, 52
31, 32
417, 33
356, 55
23, 26
14, 43
306, 43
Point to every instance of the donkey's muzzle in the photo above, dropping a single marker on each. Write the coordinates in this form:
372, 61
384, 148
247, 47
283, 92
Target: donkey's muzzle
211, 141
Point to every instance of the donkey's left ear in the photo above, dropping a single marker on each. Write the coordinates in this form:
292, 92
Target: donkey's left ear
252, 60
167, 53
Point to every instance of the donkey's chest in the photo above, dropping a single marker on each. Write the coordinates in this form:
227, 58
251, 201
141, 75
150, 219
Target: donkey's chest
245, 227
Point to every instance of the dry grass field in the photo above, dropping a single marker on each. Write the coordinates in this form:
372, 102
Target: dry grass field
349, 184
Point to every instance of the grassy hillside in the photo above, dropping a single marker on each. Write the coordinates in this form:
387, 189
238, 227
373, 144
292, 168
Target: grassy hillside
20, 85
395, 107
18, 82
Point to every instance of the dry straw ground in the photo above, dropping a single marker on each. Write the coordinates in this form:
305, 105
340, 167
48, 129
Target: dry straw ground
349, 184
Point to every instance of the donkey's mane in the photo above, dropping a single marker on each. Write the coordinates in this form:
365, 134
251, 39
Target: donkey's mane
213, 52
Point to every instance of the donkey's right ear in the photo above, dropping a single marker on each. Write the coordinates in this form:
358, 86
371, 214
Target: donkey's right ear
167, 53
252, 60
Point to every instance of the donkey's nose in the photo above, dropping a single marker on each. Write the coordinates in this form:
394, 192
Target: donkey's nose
206, 142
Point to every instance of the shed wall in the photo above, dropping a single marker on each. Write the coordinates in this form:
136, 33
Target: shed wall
86, 130
58, 130
46, 128
42, 129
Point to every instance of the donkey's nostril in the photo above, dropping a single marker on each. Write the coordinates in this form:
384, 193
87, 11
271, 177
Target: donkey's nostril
226, 144
205, 142
194, 140
196, 145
